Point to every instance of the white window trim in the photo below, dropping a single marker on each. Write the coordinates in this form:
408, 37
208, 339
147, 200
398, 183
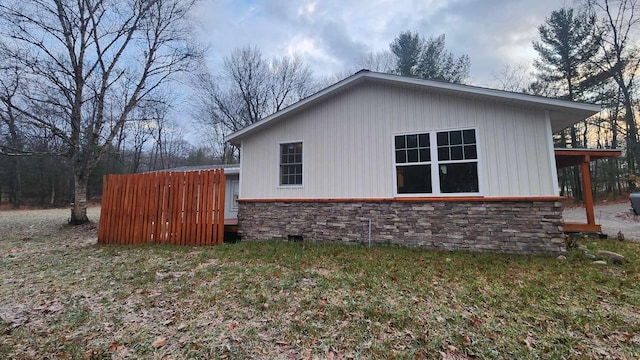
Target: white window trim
435, 164
293, 186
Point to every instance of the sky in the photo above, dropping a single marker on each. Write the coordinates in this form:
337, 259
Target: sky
330, 35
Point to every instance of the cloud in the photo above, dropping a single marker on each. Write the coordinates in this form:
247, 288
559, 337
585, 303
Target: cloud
332, 34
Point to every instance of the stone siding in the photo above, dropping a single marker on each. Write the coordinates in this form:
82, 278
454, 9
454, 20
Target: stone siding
522, 227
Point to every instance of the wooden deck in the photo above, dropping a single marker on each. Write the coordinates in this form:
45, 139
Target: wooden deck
582, 157
582, 227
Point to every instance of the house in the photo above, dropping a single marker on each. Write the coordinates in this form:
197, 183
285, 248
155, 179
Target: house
394, 160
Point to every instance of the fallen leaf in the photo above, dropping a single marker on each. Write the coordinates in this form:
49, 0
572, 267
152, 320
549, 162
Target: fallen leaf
530, 343
466, 340
115, 347
474, 320
160, 342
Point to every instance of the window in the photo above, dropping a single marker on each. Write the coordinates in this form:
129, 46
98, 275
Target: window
458, 161
291, 164
413, 152
443, 162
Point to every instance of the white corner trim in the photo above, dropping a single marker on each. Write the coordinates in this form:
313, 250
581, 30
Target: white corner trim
552, 156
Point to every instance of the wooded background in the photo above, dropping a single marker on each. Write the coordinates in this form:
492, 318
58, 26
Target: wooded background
94, 87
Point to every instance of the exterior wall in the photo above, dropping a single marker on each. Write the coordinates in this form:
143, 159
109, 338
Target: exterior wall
347, 144
523, 227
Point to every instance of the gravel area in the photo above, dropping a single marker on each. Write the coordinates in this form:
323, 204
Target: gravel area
614, 218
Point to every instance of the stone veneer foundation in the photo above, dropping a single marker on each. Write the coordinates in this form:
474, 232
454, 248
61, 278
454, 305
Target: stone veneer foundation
518, 226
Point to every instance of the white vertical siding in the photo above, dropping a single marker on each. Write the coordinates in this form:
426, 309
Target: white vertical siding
347, 144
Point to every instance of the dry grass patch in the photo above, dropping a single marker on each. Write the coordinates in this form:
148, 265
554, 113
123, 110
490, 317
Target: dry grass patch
65, 297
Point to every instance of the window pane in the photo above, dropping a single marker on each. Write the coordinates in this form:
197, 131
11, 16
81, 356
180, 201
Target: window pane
401, 156
456, 153
470, 152
455, 137
469, 136
414, 179
412, 141
443, 153
412, 155
459, 178
425, 155
443, 138
291, 164
400, 143
423, 140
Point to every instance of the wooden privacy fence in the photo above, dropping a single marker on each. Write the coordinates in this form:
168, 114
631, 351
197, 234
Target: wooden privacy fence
181, 208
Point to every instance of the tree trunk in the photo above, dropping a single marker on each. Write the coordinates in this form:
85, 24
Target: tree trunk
632, 134
79, 209
16, 183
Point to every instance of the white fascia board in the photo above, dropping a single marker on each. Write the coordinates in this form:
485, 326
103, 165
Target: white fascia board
501, 95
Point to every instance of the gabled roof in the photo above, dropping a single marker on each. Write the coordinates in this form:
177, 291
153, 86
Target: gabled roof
563, 113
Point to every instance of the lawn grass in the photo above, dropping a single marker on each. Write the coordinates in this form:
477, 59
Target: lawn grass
62, 297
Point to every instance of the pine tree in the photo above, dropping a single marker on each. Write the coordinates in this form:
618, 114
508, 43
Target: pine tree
568, 44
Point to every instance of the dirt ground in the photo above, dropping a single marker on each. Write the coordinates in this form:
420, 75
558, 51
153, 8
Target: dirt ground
613, 218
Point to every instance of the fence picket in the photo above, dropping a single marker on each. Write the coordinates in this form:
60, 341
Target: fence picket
182, 208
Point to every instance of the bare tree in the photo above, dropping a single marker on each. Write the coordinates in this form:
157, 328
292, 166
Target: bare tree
12, 137
516, 78
380, 61
620, 61
139, 132
249, 89
88, 64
